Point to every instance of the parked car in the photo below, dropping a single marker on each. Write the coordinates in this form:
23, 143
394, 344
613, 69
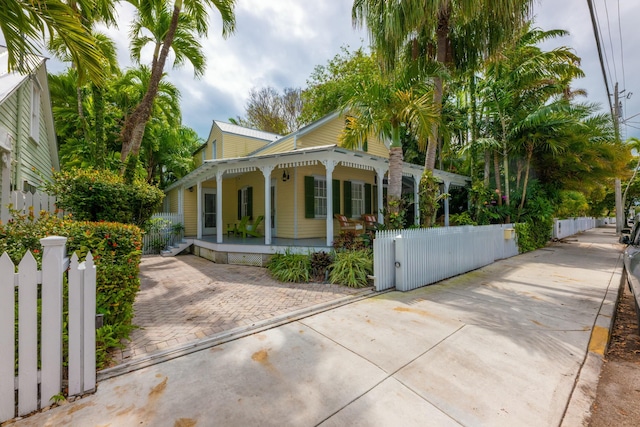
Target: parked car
632, 263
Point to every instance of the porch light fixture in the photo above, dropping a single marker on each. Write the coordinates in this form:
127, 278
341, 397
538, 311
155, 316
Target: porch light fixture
191, 189
285, 176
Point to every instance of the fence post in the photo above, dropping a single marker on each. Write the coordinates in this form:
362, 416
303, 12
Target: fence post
7, 339
82, 311
53, 257
401, 258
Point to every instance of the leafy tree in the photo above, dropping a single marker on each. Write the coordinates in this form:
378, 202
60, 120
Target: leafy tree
385, 105
25, 23
270, 111
454, 33
168, 25
328, 84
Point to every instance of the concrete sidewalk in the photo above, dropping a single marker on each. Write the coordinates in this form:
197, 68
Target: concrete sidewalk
517, 343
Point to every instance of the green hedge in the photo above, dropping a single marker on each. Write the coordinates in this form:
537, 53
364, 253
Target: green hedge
103, 195
116, 249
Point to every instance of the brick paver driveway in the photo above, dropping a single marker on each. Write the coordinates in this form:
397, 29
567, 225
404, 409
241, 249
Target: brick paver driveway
187, 298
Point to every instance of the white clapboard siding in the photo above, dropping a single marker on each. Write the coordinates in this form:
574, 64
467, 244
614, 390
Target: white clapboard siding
36, 388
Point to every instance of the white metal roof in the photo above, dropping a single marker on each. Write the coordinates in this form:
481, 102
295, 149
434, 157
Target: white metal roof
243, 131
8, 81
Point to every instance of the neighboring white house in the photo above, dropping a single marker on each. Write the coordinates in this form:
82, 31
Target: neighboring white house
28, 148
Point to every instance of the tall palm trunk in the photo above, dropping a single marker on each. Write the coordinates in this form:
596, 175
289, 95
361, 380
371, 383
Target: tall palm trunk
496, 167
526, 175
442, 42
134, 127
487, 168
394, 196
98, 107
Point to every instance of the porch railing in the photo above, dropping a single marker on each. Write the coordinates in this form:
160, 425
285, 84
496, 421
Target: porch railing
167, 229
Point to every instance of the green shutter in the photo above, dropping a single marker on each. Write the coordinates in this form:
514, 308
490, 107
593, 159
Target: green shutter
367, 199
336, 196
374, 209
239, 204
347, 199
309, 199
250, 202
365, 145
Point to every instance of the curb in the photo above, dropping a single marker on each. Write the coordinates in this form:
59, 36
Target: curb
231, 335
583, 395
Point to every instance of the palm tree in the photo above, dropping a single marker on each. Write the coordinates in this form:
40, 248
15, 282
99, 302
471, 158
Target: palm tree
518, 87
24, 23
454, 33
388, 106
172, 28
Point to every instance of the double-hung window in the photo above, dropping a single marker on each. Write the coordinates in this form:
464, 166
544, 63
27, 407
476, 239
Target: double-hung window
357, 199
319, 197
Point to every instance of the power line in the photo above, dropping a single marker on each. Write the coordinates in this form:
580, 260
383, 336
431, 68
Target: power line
604, 72
613, 59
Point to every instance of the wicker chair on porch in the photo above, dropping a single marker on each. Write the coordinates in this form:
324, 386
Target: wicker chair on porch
370, 222
348, 225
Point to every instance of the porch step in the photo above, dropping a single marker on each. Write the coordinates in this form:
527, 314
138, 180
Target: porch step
175, 250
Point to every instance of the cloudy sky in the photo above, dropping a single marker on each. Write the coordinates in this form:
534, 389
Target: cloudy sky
279, 42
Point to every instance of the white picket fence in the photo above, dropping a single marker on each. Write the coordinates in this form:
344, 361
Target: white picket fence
409, 259
23, 201
36, 387
160, 238
568, 227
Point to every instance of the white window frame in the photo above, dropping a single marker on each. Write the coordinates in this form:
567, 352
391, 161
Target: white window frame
319, 197
36, 92
244, 204
357, 204
214, 146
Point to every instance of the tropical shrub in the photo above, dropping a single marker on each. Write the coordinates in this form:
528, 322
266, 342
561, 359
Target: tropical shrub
116, 250
102, 195
352, 268
349, 241
320, 263
290, 267
461, 219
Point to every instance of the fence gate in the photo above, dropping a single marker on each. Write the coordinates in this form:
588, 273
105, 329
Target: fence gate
40, 356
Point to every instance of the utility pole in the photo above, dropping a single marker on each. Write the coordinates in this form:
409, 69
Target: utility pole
621, 220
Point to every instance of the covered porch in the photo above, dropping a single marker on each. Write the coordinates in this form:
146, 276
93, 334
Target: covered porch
276, 184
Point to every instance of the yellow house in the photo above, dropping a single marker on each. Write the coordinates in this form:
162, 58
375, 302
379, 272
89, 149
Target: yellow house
291, 185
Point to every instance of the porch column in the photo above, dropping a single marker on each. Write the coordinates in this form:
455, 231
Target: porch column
181, 191
416, 199
219, 206
266, 171
446, 203
380, 176
329, 165
199, 209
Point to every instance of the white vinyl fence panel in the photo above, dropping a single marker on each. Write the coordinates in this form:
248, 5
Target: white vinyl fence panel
568, 227
25, 201
408, 259
37, 386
